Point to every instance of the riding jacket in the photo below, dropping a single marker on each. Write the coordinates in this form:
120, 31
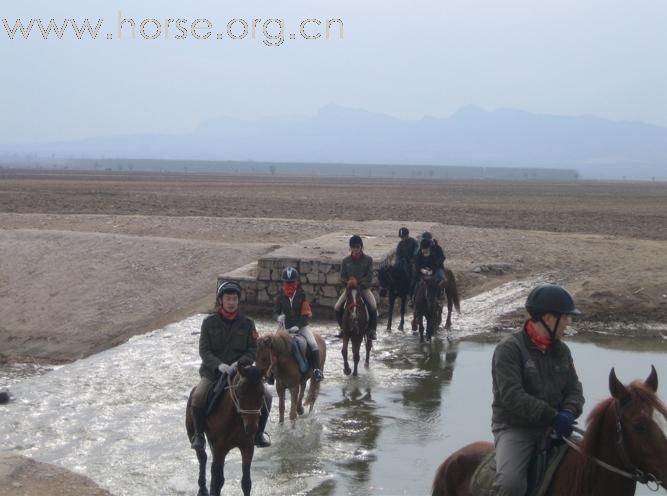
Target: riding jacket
432, 261
405, 251
224, 341
530, 386
361, 269
293, 309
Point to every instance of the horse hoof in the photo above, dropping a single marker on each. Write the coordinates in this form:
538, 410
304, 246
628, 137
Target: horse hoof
347, 371
299, 410
400, 328
203, 492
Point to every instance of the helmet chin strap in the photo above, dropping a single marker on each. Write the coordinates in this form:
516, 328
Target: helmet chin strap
552, 332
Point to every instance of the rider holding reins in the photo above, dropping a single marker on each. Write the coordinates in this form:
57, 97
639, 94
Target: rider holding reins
535, 387
292, 311
359, 266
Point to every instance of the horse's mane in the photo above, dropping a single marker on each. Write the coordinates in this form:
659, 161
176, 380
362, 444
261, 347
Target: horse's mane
281, 342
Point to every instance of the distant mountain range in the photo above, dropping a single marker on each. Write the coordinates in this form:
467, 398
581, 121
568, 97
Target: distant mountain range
597, 148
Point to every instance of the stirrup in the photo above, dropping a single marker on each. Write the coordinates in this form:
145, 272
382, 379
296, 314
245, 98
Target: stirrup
318, 375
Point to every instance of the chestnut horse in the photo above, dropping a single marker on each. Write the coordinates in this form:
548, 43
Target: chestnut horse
232, 424
355, 327
622, 445
274, 352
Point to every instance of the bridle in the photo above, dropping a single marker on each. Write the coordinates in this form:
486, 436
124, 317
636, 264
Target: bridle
636, 473
237, 404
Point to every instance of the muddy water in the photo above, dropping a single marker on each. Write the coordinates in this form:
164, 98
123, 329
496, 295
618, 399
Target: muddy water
117, 417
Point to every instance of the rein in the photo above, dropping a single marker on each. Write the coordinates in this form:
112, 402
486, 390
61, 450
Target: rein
636, 475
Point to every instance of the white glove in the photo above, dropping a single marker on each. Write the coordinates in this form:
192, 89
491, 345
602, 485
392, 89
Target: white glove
226, 369
294, 329
281, 319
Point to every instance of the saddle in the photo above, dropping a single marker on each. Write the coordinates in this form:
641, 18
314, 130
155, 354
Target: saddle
541, 470
301, 352
217, 391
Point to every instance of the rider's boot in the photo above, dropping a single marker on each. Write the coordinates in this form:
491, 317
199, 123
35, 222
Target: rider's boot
261, 439
317, 369
339, 319
198, 419
372, 324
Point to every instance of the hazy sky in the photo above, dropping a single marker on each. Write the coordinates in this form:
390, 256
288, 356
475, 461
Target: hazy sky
406, 59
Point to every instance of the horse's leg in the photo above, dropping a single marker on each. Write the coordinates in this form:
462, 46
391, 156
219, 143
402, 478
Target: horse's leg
403, 300
369, 345
293, 396
201, 481
421, 328
281, 404
246, 460
218, 472
299, 401
392, 299
346, 365
356, 346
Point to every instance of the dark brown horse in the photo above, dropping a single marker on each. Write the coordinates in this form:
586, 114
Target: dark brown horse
395, 283
622, 433
233, 424
428, 306
274, 353
355, 327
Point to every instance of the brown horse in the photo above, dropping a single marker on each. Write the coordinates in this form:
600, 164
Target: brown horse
274, 352
622, 445
355, 327
427, 304
233, 424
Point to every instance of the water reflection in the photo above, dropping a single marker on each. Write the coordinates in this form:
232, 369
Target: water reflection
423, 394
357, 425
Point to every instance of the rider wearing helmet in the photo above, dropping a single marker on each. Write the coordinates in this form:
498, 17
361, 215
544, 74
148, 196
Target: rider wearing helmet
360, 266
227, 339
292, 311
427, 258
535, 387
405, 252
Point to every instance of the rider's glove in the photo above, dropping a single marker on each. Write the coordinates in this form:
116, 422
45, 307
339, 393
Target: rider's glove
294, 329
226, 369
281, 319
563, 423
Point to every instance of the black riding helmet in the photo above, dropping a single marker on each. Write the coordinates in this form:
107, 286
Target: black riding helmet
290, 274
427, 235
550, 298
356, 241
228, 287
403, 231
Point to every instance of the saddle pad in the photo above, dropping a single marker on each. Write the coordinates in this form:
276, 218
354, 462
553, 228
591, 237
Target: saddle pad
485, 474
299, 352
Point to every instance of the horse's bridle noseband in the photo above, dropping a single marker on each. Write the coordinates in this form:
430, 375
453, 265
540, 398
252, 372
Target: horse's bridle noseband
637, 474
237, 404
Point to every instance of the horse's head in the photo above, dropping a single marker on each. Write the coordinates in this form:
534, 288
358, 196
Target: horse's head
385, 276
625, 429
354, 318
263, 357
247, 392
352, 283
637, 408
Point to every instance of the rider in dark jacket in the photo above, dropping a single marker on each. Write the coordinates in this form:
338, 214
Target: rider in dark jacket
227, 338
535, 387
405, 252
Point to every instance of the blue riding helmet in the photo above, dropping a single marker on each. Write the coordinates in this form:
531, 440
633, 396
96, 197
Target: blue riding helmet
290, 274
229, 287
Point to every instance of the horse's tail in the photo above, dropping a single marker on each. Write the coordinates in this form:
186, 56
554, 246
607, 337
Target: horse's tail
452, 290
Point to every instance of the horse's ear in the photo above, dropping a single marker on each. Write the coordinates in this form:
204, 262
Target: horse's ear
651, 381
617, 389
